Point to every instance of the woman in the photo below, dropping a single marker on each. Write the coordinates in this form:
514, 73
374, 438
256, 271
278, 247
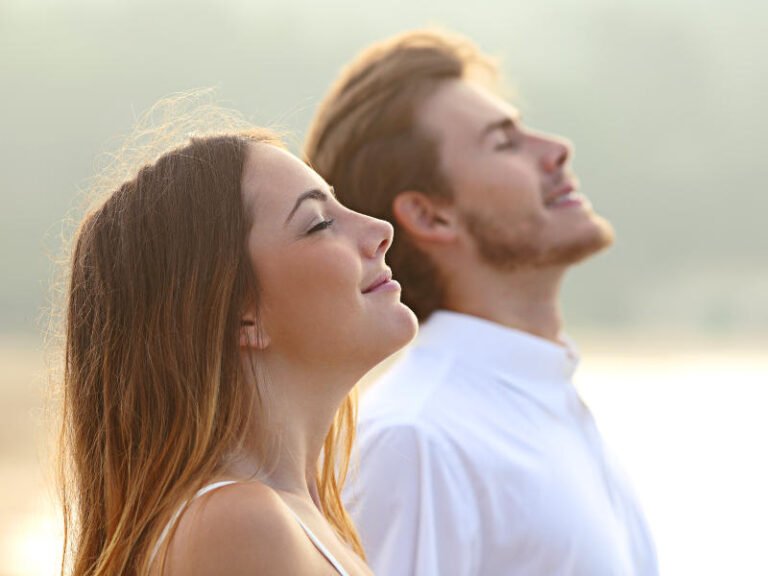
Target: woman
221, 307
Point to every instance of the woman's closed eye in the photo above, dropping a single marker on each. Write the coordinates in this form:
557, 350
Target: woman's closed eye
322, 225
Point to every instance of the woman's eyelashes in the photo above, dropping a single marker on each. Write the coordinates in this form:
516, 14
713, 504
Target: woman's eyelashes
322, 225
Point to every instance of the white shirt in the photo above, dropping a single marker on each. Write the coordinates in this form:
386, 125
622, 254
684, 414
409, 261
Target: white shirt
477, 457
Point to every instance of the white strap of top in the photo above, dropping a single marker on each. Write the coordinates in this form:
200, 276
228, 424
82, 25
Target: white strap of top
205, 489
175, 517
319, 545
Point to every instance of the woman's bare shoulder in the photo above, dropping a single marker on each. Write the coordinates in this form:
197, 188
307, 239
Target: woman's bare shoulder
242, 528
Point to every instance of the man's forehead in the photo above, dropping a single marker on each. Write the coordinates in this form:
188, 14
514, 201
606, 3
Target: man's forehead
464, 105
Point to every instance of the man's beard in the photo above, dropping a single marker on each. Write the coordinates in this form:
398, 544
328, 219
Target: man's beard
523, 248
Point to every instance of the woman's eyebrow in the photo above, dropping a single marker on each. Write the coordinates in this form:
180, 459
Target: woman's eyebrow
314, 194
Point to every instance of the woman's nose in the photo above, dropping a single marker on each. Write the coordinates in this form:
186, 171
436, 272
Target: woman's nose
378, 238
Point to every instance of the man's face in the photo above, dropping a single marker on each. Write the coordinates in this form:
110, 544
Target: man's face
512, 187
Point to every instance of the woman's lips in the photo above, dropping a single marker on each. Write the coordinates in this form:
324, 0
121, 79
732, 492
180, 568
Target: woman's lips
380, 282
386, 286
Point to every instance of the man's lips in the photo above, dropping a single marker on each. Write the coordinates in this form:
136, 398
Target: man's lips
564, 195
381, 279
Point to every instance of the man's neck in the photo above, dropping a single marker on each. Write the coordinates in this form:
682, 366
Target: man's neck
527, 300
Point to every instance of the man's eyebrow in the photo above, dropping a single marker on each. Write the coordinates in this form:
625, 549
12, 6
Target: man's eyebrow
506, 123
314, 194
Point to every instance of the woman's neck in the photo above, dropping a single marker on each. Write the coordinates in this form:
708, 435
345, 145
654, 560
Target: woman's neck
298, 413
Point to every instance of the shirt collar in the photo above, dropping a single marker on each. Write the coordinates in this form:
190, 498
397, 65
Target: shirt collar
499, 349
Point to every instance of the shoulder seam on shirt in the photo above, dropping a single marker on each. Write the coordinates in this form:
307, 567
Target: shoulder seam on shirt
416, 409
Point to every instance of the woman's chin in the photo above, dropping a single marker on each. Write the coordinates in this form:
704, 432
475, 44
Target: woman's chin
391, 334
402, 330
408, 325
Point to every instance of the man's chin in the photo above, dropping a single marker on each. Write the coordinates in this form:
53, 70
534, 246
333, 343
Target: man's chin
599, 237
604, 234
586, 237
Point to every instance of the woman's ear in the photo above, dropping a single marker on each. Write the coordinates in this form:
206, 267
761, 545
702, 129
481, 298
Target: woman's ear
424, 218
252, 336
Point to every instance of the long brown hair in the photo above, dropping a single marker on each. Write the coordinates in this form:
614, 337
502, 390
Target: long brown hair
366, 142
154, 394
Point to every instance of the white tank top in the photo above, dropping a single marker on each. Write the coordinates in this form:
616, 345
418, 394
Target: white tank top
205, 489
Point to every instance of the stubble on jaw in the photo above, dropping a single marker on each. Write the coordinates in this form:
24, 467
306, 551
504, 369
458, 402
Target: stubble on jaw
522, 248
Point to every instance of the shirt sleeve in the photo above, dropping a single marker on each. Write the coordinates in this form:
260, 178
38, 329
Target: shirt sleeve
412, 504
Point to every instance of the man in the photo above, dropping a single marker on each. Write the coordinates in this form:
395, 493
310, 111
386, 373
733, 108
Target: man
477, 456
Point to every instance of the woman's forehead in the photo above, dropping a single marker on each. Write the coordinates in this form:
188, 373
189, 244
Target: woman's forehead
273, 178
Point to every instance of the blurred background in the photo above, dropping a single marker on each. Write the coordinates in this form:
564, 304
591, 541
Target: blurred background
665, 103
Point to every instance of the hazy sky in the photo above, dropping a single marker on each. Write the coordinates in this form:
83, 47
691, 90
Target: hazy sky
663, 100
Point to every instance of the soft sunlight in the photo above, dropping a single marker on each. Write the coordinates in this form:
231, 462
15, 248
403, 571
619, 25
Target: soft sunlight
689, 429
34, 547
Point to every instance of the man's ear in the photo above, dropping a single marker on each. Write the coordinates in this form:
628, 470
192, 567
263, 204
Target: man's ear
425, 218
252, 335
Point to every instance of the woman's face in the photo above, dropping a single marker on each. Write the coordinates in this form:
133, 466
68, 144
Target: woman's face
325, 297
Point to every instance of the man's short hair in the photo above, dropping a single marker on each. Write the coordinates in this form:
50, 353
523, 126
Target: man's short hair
366, 142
